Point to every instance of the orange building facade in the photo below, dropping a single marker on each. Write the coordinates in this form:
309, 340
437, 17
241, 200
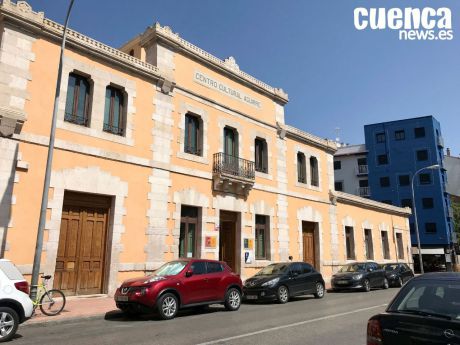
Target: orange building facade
164, 151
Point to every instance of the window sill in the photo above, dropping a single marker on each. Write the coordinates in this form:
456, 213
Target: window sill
93, 132
263, 175
192, 157
308, 186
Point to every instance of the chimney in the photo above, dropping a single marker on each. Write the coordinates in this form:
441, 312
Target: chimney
448, 152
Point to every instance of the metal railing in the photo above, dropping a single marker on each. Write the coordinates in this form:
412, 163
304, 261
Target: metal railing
78, 120
231, 165
362, 169
192, 150
113, 129
364, 191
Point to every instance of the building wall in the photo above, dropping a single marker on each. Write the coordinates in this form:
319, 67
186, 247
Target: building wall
146, 172
403, 161
347, 174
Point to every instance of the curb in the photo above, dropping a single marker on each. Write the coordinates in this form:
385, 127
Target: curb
49, 321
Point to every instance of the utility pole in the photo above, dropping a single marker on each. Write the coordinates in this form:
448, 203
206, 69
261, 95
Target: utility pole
49, 162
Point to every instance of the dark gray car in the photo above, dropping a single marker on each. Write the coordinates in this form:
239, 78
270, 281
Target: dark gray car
359, 276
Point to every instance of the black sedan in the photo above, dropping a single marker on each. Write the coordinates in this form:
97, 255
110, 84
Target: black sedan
425, 311
283, 280
359, 276
398, 273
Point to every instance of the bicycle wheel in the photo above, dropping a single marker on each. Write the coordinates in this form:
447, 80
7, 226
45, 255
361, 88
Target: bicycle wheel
52, 302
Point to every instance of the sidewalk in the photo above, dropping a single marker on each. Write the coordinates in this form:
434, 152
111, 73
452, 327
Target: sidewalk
77, 307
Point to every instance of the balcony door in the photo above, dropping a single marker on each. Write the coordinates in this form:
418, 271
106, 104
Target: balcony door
230, 142
231, 150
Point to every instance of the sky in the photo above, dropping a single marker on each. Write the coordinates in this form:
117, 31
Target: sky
336, 76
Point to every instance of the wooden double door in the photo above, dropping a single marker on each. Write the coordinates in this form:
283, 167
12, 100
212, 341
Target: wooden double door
308, 240
81, 256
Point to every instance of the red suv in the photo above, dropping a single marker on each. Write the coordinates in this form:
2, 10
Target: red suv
180, 284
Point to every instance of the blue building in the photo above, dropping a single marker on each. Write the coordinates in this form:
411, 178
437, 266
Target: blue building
396, 150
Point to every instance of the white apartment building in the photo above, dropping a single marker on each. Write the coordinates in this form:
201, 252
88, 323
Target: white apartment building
350, 170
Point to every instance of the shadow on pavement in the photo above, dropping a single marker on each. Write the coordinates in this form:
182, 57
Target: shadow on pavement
118, 315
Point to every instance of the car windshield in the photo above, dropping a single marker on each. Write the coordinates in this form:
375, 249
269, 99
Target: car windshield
353, 268
171, 268
390, 267
432, 298
272, 269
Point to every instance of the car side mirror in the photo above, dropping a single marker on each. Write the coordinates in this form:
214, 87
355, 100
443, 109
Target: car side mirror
294, 274
370, 269
189, 273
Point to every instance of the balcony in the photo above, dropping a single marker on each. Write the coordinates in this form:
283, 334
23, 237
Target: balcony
232, 174
11, 121
362, 170
364, 192
440, 141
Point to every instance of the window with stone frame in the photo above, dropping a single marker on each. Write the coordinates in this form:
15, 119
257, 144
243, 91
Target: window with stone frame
400, 245
115, 111
193, 134
301, 168
261, 155
189, 232
385, 245
262, 237
369, 246
350, 242
77, 106
314, 173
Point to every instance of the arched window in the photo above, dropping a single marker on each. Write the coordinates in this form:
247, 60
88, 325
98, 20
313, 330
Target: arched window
314, 176
114, 119
260, 155
193, 135
301, 168
77, 102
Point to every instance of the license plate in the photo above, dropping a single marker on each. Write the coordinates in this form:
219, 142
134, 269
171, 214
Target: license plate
342, 282
122, 298
251, 297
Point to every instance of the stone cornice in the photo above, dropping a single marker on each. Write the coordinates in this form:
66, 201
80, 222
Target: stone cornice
22, 13
297, 134
227, 66
375, 205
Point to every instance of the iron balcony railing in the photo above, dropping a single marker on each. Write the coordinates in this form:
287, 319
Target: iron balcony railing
362, 169
364, 191
78, 120
231, 165
113, 129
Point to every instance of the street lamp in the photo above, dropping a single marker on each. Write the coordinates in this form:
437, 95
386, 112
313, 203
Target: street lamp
431, 167
49, 161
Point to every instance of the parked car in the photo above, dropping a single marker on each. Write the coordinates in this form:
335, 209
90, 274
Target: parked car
359, 275
15, 304
425, 311
397, 273
283, 280
180, 284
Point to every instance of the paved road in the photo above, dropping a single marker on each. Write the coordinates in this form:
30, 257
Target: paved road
339, 318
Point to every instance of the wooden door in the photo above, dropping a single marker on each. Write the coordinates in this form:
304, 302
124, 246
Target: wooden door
227, 243
81, 252
308, 240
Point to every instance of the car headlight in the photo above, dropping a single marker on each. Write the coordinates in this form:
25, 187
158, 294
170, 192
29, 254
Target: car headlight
271, 282
154, 279
392, 276
357, 276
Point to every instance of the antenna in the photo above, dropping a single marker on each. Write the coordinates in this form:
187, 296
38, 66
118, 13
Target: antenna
337, 134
